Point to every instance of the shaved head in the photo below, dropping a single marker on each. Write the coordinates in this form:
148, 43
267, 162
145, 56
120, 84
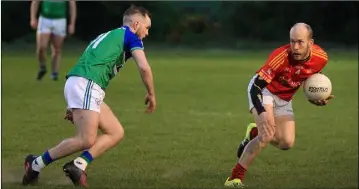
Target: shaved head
301, 41
302, 28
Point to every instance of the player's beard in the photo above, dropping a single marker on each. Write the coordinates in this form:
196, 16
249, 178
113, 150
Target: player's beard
306, 54
303, 56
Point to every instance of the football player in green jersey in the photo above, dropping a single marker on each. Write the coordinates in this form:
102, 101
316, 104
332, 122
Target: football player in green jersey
85, 92
51, 27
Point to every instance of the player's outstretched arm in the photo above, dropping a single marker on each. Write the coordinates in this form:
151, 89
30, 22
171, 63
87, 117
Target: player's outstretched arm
33, 13
147, 78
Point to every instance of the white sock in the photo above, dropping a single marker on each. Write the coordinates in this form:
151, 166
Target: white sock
80, 163
38, 164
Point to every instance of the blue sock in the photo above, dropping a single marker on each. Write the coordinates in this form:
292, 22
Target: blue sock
46, 158
54, 74
87, 156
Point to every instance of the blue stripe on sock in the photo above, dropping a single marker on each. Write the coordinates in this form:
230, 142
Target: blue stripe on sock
46, 158
88, 157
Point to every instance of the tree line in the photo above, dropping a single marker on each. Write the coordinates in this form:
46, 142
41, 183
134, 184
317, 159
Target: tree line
199, 22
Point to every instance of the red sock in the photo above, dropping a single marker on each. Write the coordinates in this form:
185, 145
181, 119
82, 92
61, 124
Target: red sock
253, 133
238, 172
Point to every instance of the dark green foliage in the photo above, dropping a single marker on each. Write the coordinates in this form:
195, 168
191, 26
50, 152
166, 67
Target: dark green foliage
200, 22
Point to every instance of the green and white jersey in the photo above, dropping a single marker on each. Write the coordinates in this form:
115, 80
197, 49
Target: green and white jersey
104, 56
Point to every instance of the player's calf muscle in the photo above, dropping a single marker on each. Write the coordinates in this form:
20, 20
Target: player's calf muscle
86, 122
110, 125
253, 148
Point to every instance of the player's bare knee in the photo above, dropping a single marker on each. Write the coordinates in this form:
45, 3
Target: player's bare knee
41, 49
87, 142
56, 51
119, 134
286, 145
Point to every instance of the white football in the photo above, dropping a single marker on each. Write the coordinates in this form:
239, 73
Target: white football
317, 87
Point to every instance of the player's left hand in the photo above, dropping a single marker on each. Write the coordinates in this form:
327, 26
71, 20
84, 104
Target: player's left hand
322, 102
68, 116
150, 100
71, 29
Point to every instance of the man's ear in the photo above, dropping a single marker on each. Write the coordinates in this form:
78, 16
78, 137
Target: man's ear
311, 41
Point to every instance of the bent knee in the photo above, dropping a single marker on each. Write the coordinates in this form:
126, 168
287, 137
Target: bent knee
115, 132
87, 142
119, 134
286, 145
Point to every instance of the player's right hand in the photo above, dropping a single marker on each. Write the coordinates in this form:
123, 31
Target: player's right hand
71, 29
150, 100
266, 126
263, 118
321, 102
33, 24
68, 116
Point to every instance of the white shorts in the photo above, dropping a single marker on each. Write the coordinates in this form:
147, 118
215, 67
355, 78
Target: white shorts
52, 26
280, 106
83, 94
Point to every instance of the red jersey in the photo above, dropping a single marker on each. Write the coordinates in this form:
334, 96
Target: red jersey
285, 75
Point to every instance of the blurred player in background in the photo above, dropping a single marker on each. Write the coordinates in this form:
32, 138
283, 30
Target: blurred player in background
84, 94
270, 95
51, 27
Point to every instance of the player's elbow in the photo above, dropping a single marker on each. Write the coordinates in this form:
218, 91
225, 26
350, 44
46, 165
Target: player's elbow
144, 68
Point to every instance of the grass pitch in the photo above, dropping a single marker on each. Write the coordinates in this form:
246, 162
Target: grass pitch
191, 139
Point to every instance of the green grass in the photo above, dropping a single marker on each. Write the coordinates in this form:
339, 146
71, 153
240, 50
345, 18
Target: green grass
191, 139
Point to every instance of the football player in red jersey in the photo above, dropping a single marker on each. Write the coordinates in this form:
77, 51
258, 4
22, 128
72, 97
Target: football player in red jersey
270, 95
